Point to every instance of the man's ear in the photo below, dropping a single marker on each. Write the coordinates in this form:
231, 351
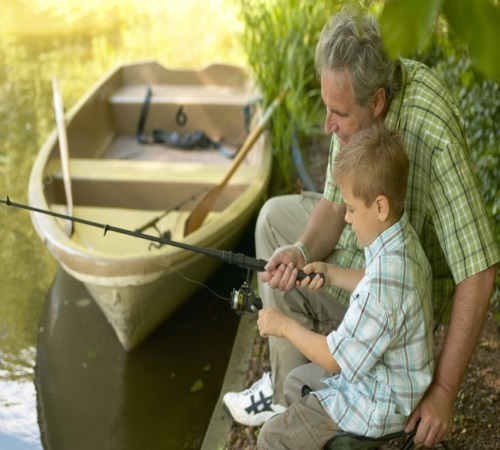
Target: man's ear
378, 101
382, 207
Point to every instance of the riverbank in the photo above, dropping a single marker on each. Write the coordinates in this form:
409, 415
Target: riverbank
245, 353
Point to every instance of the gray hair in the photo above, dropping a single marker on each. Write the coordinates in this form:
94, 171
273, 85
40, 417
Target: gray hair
351, 41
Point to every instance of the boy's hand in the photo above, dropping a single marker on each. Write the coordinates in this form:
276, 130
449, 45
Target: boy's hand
271, 323
314, 281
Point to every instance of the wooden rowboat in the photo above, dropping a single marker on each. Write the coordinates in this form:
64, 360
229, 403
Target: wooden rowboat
119, 175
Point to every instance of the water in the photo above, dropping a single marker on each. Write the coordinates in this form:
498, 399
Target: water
64, 380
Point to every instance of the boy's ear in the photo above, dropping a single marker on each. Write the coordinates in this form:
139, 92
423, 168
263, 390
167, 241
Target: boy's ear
382, 207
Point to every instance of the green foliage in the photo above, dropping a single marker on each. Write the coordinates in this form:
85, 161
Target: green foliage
280, 39
405, 25
479, 101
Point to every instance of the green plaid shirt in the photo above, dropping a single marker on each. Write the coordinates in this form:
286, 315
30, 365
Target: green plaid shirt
443, 202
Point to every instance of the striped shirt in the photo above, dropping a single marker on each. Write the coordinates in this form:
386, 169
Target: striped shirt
443, 201
384, 345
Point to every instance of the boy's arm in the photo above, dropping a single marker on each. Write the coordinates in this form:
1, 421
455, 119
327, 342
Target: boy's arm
312, 345
340, 277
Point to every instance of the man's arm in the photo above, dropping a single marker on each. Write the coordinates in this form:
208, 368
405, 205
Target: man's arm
320, 237
435, 410
323, 229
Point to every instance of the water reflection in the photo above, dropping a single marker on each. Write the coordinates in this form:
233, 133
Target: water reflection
93, 394
18, 416
77, 42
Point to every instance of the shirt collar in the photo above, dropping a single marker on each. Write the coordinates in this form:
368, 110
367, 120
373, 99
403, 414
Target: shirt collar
387, 240
391, 120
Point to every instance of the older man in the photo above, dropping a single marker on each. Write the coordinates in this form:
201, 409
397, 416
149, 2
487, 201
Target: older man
360, 85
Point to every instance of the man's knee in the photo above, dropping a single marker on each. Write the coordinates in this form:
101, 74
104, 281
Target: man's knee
292, 389
266, 216
309, 375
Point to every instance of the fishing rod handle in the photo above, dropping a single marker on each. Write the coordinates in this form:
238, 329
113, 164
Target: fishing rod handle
260, 264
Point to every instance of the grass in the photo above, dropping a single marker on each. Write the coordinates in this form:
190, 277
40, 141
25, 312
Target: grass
279, 39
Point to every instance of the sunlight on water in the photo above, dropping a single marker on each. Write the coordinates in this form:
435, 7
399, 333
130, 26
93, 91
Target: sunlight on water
188, 32
18, 411
77, 42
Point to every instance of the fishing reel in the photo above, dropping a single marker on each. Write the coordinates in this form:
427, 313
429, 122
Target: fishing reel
244, 300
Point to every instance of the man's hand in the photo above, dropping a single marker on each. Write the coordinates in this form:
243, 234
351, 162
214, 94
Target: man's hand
281, 269
435, 412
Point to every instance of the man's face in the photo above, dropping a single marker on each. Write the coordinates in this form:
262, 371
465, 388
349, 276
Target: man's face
344, 116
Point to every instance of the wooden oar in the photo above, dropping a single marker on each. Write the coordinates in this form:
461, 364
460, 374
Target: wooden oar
63, 149
201, 210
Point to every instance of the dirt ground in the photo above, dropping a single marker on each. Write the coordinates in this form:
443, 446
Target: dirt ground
477, 408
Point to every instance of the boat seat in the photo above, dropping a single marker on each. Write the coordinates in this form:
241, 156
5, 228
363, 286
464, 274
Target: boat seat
147, 171
182, 95
219, 111
142, 184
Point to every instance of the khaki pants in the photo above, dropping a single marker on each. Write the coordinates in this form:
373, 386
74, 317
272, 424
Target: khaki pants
305, 425
309, 375
281, 222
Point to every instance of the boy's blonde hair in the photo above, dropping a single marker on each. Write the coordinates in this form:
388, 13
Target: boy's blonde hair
374, 163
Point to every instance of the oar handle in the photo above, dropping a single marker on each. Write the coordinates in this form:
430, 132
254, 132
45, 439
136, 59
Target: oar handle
63, 148
254, 135
204, 206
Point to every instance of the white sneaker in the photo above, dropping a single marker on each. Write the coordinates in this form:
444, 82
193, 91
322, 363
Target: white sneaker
253, 406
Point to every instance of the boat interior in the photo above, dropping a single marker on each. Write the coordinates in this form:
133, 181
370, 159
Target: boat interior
115, 176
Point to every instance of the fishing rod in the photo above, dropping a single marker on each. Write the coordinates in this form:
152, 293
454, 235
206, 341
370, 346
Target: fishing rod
241, 300
152, 223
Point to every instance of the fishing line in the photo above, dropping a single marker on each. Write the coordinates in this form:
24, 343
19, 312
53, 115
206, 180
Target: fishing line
193, 281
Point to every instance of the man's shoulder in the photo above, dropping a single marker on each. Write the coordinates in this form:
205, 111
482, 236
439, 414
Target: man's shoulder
418, 70
427, 106
422, 84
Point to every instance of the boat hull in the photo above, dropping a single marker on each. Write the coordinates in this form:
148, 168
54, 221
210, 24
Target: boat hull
117, 180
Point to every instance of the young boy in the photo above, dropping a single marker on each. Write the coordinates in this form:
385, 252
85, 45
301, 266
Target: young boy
380, 358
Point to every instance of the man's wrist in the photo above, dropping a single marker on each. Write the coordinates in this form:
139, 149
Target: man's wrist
305, 252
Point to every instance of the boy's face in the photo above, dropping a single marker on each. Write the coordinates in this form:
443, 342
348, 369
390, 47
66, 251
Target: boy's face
365, 221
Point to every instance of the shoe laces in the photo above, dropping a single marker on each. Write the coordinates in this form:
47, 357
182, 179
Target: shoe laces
266, 378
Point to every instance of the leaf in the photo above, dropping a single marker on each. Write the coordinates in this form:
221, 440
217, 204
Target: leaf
198, 385
477, 23
83, 302
404, 24
492, 344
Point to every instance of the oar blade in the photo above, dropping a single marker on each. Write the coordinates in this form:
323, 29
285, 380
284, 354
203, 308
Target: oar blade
201, 210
